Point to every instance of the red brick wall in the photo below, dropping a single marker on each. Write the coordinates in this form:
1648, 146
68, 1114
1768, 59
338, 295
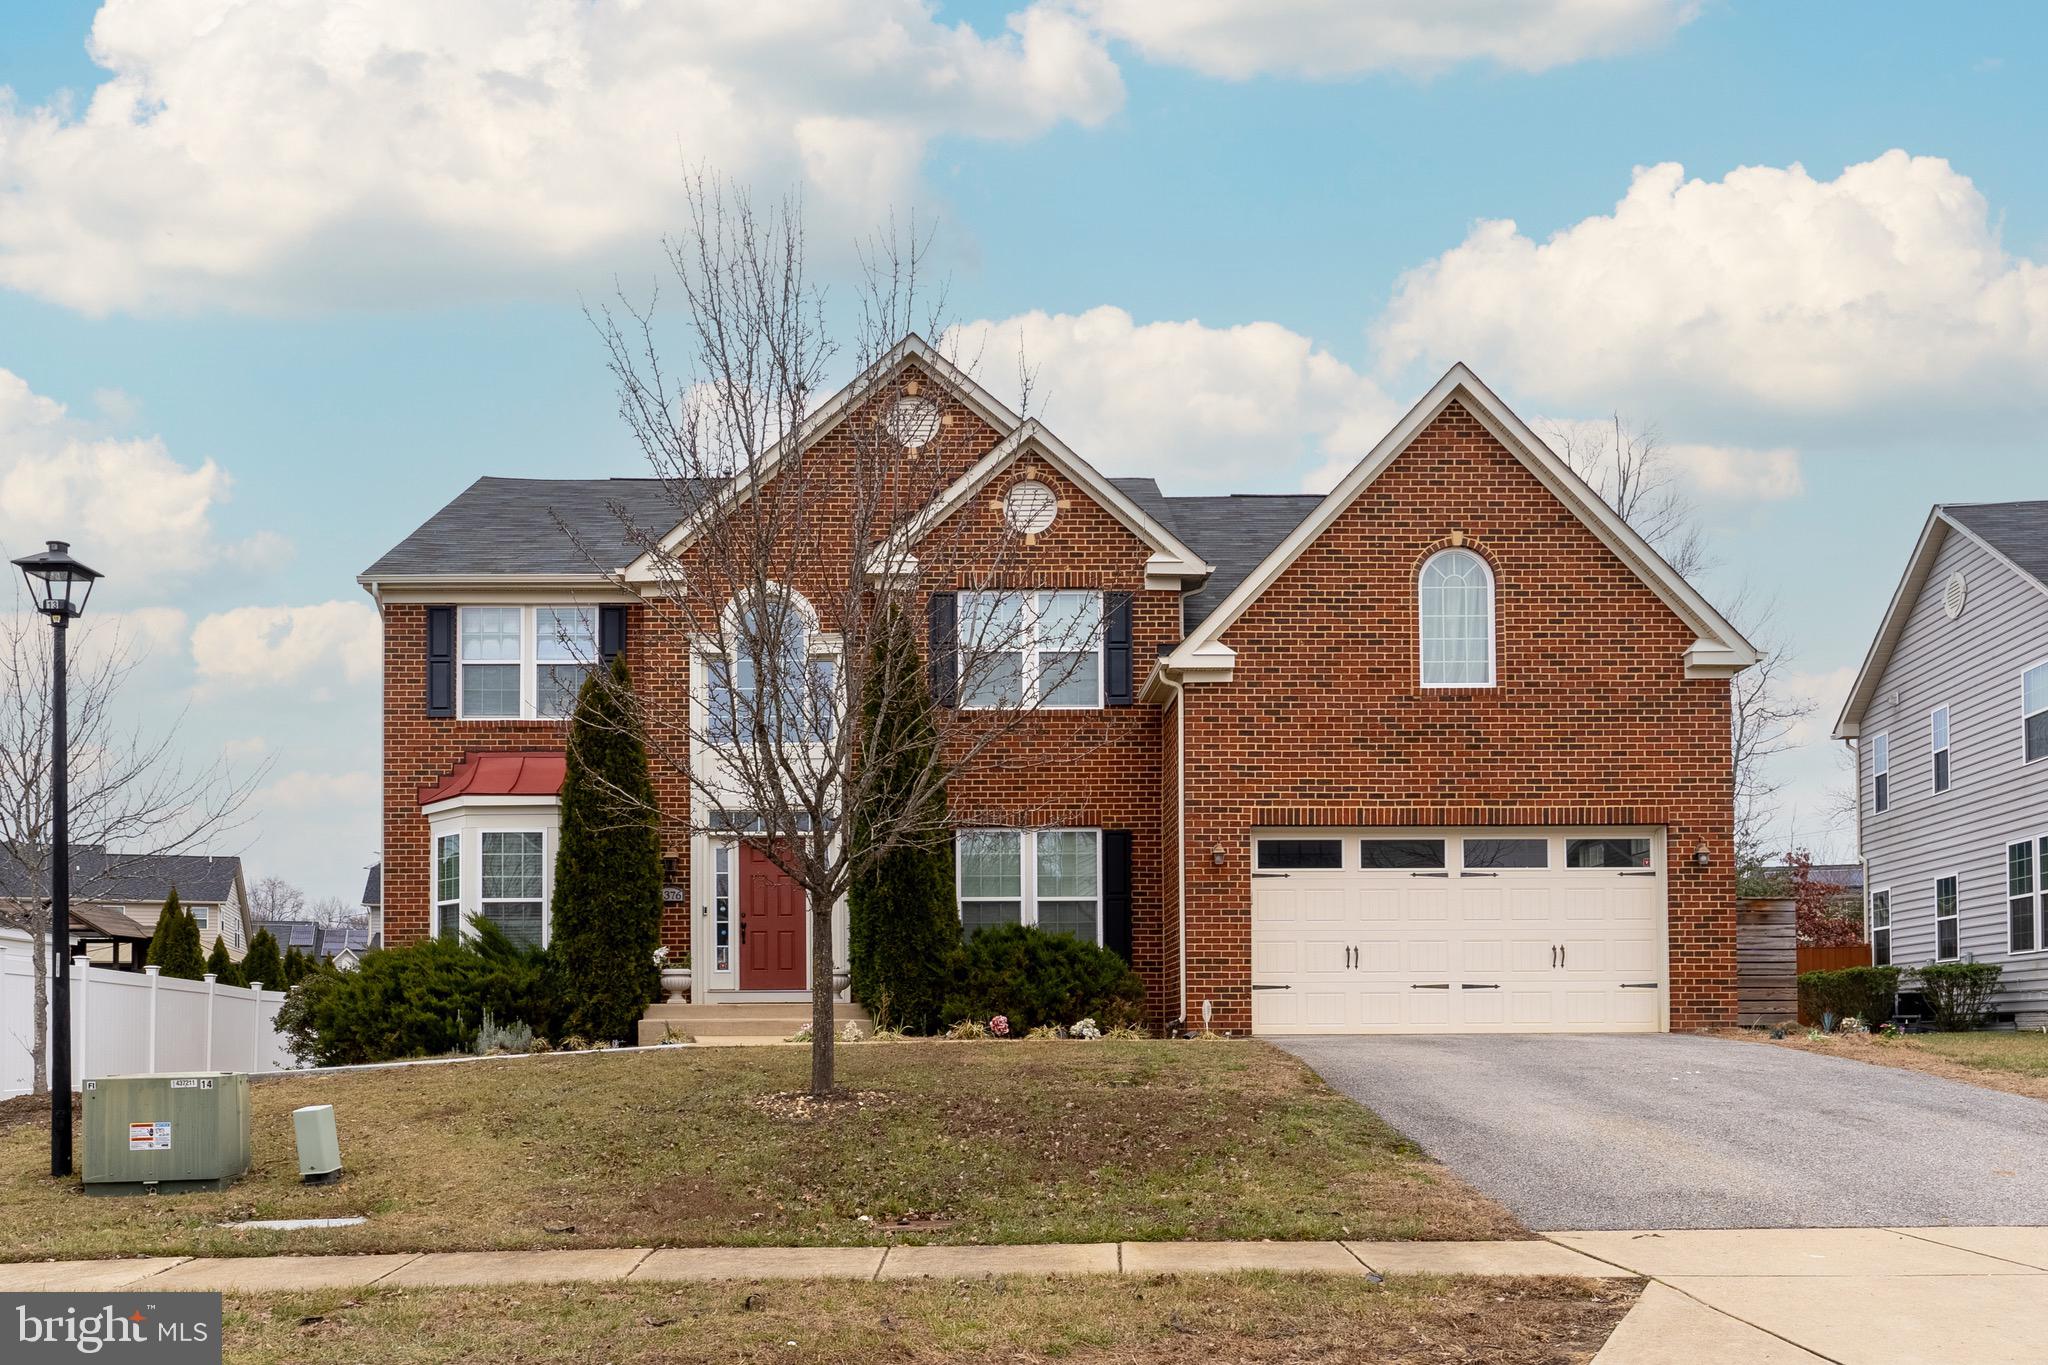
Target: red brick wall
1592, 721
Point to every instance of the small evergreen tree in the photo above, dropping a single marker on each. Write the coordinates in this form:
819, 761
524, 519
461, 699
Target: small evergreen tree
262, 963
174, 948
295, 967
226, 971
607, 903
902, 926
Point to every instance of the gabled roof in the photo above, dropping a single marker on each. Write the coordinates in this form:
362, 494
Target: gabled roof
132, 878
1172, 558
913, 349
2014, 533
373, 886
1720, 650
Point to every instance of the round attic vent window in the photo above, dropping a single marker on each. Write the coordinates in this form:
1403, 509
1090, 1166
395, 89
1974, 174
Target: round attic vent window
1952, 596
913, 421
1029, 507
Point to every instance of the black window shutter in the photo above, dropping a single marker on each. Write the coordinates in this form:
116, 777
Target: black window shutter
940, 646
1116, 891
611, 633
440, 661
1116, 649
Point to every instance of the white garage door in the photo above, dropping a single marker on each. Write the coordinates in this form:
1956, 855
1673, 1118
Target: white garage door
1458, 931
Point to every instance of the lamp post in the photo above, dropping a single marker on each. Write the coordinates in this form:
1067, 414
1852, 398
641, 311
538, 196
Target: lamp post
59, 586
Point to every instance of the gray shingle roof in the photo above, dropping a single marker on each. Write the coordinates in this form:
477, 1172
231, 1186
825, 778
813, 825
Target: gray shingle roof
136, 879
1234, 532
373, 886
2017, 530
508, 526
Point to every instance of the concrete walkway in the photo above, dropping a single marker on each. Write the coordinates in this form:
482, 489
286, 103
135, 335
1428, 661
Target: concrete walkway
1774, 1296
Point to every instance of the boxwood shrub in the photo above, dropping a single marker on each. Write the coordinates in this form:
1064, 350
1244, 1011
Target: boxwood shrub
1958, 993
1033, 976
1866, 993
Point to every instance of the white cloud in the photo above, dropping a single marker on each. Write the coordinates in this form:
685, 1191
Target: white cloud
128, 508
1827, 691
1740, 474
269, 154
269, 646
1885, 288
1329, 38
1197, 406
319, 791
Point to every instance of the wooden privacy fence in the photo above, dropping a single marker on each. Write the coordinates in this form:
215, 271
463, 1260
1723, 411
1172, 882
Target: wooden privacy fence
1833, 959
1766, 932
124, 1023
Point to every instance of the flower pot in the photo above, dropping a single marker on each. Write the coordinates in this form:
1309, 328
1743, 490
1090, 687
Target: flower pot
676, 981
840, 981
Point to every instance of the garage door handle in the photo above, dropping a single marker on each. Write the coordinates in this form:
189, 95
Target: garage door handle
1272, 988
1269, 874
1479, 874
1468, 986
1429, 874
1640, 985
1438, 986
1650, 873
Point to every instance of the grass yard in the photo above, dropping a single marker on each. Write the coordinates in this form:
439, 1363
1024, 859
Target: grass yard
1166, 1319
942, 1142
2015, 1062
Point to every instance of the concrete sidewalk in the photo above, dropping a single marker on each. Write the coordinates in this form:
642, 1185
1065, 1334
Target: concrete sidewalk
1777, 1296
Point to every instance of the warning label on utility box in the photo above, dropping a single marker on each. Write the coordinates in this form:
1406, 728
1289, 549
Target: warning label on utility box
149, 1137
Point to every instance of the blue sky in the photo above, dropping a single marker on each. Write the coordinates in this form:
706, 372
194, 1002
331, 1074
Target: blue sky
293, 291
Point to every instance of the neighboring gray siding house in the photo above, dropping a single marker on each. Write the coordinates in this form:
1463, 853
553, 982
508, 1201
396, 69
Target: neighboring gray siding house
1949, 718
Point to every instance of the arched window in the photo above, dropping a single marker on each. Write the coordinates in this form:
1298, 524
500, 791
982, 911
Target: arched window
769, 670
1455, 597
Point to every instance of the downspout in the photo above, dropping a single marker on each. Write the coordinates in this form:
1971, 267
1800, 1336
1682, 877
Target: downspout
1180, 827
1855, 748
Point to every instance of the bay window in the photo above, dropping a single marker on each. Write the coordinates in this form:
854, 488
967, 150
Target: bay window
511, 895
448, 887
1048, 878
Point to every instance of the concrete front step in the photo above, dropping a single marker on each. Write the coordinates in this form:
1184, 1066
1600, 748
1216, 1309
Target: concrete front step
749, 1021
842, 1010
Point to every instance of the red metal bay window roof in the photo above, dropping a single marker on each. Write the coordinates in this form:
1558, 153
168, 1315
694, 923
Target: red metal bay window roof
521, 772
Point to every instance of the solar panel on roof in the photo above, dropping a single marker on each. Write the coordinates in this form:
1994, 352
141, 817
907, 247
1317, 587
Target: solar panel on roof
302, 936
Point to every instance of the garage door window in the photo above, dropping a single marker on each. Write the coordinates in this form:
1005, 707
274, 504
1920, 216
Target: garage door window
1497, 853
1619, 853
1284, 855
1400, 853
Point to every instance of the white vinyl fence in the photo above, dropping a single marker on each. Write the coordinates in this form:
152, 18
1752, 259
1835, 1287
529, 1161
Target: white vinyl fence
123, 1023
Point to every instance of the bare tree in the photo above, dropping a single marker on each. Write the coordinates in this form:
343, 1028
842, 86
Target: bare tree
335, 912
1632, 470
130, 794
274, 898
801, 553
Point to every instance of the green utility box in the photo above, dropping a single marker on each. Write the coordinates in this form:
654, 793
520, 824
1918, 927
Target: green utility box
319, 1147
166, 1134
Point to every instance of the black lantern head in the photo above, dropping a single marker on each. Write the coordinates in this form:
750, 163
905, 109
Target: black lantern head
58, 584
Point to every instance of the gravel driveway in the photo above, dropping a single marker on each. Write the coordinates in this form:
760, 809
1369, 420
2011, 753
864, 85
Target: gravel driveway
1677, 1131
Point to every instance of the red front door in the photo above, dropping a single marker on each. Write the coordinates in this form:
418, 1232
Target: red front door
772, 921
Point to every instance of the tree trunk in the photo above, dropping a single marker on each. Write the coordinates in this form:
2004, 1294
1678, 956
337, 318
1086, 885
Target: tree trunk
821, 997
39, 1005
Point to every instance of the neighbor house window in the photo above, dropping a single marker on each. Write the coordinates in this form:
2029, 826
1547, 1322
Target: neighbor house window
1945, 946
1937, 734
1456, 610
511, 887
2025, 901
1881, 772
525, 662
1881, 928
1051, 878
448, 887
2034, 711
199, 915
1030, 649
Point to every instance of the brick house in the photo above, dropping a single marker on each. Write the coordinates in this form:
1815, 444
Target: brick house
1444, 750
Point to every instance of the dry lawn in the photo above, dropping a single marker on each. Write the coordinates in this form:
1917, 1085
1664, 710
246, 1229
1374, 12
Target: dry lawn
947, 1142
2013, 1062
1169, 1320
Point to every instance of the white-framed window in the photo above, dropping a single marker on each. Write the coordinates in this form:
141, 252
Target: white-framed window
1881, 773
2024, 902
202, 915
2034, 713
1947, 947
1879, 927
513, 872
448, 887
1937, 737
1454, 595
1051, 878
806, 679
1040, 649
523, 663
